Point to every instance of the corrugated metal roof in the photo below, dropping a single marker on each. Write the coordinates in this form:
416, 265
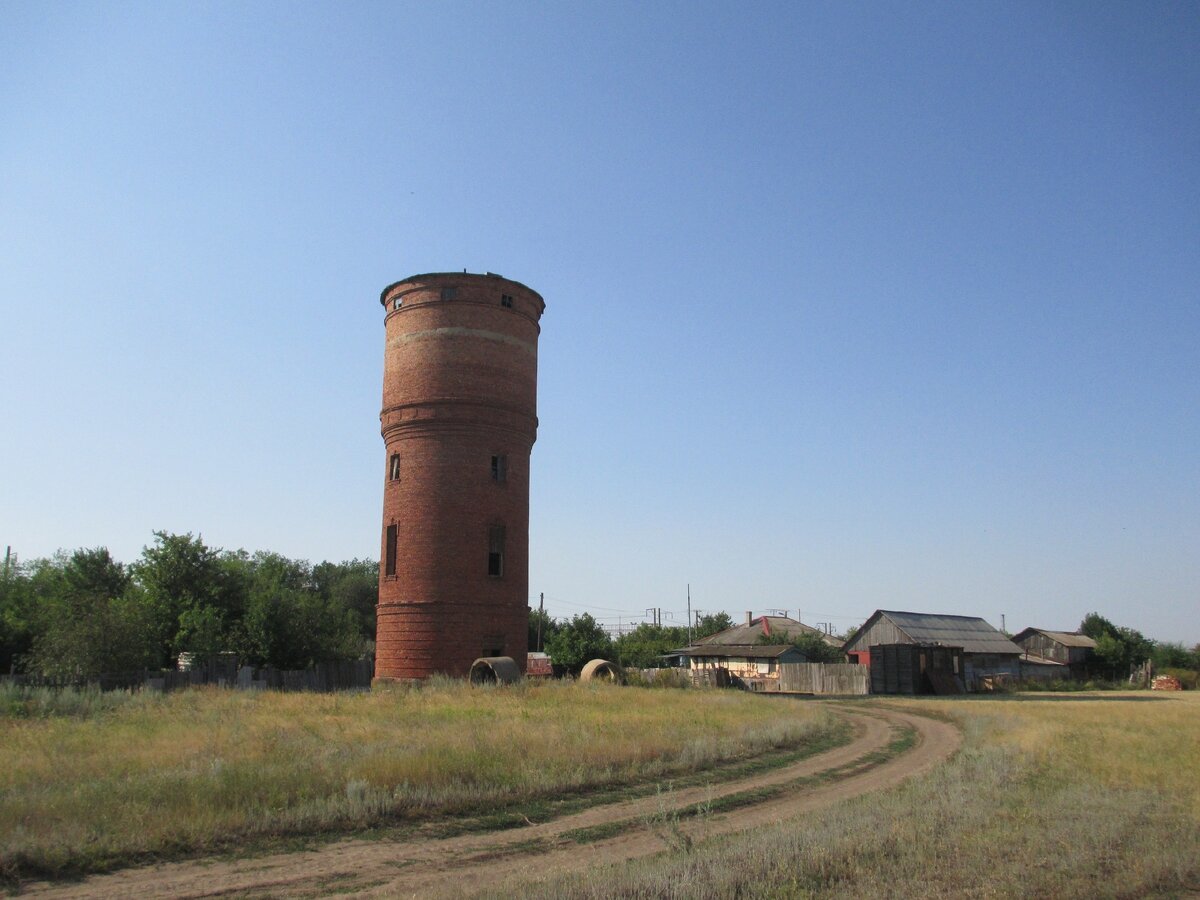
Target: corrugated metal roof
749, 651
1069, 638
971, 633
1041, 660
1066, 638
749, 634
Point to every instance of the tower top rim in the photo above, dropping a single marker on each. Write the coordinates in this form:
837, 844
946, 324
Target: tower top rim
459, 276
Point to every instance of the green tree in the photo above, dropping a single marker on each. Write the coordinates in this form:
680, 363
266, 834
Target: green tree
644, 647
1168, 655
817, 649
288, 623
579, 641
814, 647
16, 614
539, 618
181, 578
1095, 625
711, 624
1138, 647
203, 632
88, 621
1118, 648
849, 632
354, 585
1111, 653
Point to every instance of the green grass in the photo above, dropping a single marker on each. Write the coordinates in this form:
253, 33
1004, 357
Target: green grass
1077, 797
90, 784
78, 703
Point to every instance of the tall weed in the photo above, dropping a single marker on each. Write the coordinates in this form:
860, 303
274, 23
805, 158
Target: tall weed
22, 702
205, 768
1048, 798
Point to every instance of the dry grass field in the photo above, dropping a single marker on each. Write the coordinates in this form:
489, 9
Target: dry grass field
1052, 795
1075, 795
93, 781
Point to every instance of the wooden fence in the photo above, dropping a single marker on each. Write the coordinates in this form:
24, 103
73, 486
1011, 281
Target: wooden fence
824, 678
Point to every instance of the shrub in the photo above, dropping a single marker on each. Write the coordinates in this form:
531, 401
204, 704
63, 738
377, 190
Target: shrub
657, 678
23, 702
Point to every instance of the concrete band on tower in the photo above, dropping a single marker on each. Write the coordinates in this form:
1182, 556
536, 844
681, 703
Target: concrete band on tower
459, 420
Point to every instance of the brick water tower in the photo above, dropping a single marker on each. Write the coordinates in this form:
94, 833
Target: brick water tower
459, 420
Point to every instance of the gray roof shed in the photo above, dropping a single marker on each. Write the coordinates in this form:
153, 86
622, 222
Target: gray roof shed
971, 633
1066, 638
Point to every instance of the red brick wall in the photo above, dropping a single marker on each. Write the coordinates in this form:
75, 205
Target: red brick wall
459, 386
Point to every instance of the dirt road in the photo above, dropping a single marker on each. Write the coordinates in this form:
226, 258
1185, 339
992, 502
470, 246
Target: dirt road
459, 865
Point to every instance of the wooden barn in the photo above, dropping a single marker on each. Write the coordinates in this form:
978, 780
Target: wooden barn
985, 655
1055, 654
916, 669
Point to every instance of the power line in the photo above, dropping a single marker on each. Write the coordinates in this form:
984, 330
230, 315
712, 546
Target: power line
679, 616
586, 606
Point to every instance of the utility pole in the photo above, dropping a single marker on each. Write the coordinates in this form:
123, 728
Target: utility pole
541, 604
1002, 625
689, 593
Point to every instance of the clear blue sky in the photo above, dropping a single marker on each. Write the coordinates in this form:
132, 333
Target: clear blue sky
849, 305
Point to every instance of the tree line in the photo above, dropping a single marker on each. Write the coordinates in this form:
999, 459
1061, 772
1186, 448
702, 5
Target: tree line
1120, 648
82, 614
572, 643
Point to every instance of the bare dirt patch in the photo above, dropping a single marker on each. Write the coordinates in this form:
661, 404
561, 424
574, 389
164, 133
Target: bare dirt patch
470, 862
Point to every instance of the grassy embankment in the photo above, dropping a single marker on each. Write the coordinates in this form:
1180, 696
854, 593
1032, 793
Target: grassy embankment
94, 781
1074, 796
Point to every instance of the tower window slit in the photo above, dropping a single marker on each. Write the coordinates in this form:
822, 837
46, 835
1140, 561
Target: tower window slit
389, 554
496, 550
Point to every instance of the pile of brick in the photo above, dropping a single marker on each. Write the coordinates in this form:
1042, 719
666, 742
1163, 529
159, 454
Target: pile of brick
1166, 683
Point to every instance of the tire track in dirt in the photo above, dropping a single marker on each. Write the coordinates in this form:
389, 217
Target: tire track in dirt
423, 866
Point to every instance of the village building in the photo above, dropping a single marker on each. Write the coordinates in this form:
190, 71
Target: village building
538, 665
986, 655
752, 651
1054, 654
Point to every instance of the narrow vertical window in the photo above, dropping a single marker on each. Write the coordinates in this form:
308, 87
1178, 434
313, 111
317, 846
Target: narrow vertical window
506, 301
449, 293
496, 550
394, 467
500, 468
397, 303
389, 553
